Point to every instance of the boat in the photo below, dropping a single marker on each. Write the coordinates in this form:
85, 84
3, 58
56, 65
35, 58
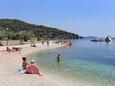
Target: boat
98, 40
108, 39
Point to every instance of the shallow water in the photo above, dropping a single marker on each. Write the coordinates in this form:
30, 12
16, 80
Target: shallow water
86, 62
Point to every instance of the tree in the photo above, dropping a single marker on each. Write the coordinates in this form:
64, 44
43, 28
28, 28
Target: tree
1, 37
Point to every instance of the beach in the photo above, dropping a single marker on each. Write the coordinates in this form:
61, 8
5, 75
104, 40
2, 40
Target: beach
78, 67
10, 61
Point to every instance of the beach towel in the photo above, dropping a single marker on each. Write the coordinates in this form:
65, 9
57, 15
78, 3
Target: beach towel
20, 70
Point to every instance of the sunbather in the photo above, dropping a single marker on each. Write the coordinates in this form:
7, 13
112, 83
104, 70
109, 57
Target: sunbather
32, 68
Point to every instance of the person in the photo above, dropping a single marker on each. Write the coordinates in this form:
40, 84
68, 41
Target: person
47, 42
8, 49
42, 42
16, 48
24, 63
33, 45
22, 70
32, 68
58, 58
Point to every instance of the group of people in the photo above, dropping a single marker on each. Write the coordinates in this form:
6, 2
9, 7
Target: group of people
45, 41
13, 49
29, 68
32, 68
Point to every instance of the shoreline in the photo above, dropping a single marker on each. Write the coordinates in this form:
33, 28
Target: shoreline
11, 61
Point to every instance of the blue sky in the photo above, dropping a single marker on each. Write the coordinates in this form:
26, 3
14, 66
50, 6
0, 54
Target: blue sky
85, 17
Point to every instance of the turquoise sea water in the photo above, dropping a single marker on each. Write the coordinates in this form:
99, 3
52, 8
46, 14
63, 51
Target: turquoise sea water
86, 62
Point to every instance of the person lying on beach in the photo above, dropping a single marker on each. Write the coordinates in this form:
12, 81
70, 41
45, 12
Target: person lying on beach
8, 49
33, 45
11, 50
32, 68
16, 49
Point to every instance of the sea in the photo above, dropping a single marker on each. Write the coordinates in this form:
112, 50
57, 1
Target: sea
85, 61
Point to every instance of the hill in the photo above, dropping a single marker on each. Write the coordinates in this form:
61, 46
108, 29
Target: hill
90, 37
14, 28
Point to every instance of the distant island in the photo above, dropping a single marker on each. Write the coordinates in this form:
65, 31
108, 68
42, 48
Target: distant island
90, 37
17, 29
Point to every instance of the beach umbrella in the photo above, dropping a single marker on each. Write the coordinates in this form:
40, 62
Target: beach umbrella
34, 41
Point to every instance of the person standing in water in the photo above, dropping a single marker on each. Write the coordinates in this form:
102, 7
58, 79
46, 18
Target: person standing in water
58, 58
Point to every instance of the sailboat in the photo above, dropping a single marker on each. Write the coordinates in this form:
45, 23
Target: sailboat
108, 39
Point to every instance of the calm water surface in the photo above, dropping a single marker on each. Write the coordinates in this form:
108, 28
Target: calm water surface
86, 61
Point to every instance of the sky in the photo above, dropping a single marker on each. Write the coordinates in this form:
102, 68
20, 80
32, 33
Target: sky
83, 17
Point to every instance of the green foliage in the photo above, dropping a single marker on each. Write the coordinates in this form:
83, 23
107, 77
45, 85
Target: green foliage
21, 30
26, 37
2, 37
